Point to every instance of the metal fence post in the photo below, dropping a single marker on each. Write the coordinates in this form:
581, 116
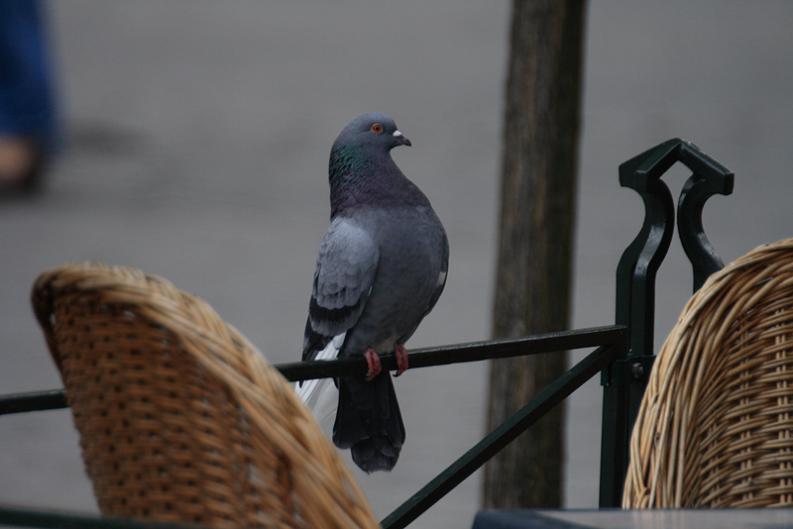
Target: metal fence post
625, 379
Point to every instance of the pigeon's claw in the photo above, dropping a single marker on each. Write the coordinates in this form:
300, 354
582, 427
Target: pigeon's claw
373, 361
401, 358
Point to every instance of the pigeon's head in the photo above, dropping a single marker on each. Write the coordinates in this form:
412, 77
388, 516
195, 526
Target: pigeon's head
372, 131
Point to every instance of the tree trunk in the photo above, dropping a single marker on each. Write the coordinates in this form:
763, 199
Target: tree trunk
538, 188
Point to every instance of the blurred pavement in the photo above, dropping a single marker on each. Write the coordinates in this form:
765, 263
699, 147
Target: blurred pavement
198, 136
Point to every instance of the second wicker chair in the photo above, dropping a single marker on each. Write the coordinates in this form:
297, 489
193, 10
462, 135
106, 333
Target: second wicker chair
715, 428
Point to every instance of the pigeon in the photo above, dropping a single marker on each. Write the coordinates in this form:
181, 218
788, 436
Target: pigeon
381, 268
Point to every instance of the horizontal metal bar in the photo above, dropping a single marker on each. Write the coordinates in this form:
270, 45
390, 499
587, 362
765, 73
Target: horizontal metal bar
474, 458
52, 399
26, 517
426, 357
466, 352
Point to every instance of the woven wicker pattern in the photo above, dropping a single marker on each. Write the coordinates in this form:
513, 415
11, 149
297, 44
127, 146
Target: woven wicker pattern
715, 427
180, 418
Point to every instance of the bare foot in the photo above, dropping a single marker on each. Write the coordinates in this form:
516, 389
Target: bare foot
16, 160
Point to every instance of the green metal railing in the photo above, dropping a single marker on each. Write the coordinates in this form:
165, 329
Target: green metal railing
608, 341
623, 351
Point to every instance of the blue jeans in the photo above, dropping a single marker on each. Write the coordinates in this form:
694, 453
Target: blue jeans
27, 103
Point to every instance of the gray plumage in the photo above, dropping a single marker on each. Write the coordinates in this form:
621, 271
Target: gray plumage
382, 266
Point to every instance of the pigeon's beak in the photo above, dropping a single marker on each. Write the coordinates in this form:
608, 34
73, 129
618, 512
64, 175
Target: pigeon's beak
401, 139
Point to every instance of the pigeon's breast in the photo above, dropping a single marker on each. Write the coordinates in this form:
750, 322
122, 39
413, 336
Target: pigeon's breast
411, 244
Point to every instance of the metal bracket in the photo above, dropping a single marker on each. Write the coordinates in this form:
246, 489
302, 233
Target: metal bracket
627, 370
633, 369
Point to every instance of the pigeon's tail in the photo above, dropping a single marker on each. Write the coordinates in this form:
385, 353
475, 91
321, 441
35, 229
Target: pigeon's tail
369, 423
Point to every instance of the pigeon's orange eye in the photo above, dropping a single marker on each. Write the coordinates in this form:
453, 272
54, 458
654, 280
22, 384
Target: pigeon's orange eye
377, 128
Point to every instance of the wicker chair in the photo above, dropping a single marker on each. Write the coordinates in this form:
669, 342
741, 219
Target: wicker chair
715, 428
180, 418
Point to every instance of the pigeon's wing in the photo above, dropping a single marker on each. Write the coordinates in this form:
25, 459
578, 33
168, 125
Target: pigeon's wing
346, 268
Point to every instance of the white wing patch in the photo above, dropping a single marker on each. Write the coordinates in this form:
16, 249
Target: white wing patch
441, 278
321, 395
336, 342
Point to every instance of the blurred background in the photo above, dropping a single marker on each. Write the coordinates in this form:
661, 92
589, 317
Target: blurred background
195, 137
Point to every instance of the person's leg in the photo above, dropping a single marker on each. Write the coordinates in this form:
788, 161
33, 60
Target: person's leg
27, 107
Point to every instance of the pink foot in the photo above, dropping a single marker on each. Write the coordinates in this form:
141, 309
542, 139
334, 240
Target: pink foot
401, 358
373, 361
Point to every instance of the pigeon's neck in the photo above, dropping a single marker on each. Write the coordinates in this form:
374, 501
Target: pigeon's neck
360, 178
